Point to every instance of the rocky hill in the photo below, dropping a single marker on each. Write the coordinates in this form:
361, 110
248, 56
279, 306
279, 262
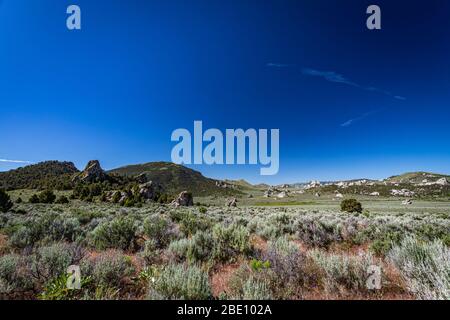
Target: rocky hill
48, 174
175, 178
420, 178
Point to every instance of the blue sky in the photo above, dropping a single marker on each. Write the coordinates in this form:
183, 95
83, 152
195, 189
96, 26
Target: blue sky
349, 102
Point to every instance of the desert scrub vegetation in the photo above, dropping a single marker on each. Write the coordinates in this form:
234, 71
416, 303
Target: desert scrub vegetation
177, 281
342, 272
160, 252
425, 267
117, 233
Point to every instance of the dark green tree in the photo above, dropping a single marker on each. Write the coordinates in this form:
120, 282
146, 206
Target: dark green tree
5, 201
47, 196
351, 205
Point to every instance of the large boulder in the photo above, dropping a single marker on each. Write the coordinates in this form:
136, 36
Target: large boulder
116, 196
149, 190
92, 173
184, 199
232, 203
282, 194
407, 202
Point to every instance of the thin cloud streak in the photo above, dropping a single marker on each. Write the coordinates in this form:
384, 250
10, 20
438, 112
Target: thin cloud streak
279, 65
352, 121
332, 76
15, 161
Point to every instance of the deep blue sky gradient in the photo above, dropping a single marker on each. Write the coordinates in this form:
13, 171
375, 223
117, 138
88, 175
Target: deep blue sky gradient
137, 70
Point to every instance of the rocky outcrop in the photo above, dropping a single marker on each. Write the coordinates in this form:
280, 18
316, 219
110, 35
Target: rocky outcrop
313, 184
142, 178
407, 202
402, 193
116, 196
338, 195
92, 173
149, 190
272, 192
232, 203
282, 194
439, 182
184, 199
442, 182
225, 185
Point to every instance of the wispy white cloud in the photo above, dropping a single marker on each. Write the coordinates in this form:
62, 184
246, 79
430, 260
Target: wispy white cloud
329, 76
356, 119
279, 65
339, 78
15, 161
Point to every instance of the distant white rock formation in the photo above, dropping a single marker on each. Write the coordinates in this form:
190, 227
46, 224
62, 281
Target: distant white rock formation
402, 193
313, 184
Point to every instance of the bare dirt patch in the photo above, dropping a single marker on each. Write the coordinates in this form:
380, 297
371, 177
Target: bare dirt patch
221, 277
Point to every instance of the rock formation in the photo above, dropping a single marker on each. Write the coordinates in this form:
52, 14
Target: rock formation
184, 199
402, 193
149, 190
92, 173
407, 202
232, 203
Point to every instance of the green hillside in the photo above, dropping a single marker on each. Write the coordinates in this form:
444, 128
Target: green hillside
416, 177
174, 178
48, 174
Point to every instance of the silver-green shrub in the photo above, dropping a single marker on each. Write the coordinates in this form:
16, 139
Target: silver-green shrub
178, 281
256, 289
425, 267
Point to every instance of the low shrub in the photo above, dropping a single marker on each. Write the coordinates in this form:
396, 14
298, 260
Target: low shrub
382, 244
46, 196
14, 276
317, 233
424, 266
196, 249
109, 269
190, 223
62, 200
255, 289
158, 228
150, 253
47, 228
342, 272
288, 271
181, 282
49, 262
230, 241
118, 233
